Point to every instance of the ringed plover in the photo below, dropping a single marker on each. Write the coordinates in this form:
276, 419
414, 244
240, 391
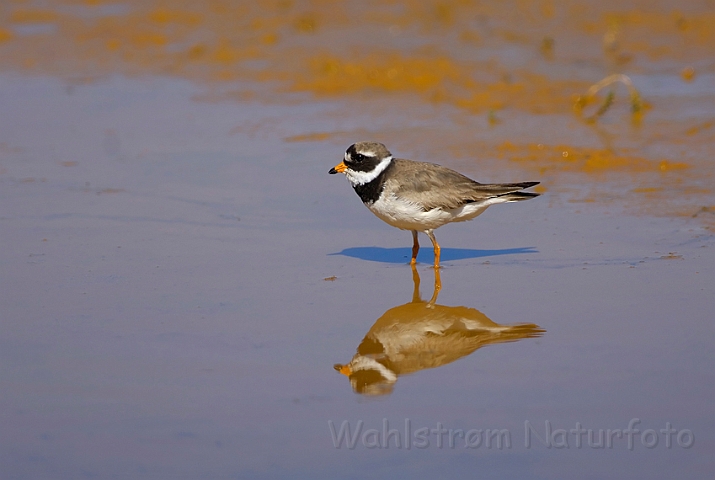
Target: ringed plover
419, 196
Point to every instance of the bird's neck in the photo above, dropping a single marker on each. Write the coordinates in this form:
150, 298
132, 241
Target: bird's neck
357, 177
370, 191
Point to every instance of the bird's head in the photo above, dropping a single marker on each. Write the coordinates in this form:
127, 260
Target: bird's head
363, 162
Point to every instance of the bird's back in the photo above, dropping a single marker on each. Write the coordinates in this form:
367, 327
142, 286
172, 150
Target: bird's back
434, 186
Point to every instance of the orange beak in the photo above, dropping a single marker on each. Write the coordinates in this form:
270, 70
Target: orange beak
339, 168
344, 369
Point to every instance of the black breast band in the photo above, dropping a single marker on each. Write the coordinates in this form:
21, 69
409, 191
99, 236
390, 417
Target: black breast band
370, 192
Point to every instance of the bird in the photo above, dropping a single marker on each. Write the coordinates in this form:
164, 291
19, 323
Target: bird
420, 196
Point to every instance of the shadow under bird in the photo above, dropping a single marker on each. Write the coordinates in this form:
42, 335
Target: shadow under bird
419, 196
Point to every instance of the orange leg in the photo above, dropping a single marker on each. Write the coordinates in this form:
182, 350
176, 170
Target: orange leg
415, 247
430, 234
416, 281
437, 287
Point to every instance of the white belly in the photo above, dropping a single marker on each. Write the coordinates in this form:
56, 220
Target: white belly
410, 216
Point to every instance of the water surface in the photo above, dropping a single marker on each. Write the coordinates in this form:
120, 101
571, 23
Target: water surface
180, 275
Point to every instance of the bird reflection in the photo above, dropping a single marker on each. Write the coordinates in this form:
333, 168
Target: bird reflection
419, 335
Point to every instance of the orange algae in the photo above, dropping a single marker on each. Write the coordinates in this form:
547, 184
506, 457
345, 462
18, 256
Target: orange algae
700, 127
310, 137
5, 35
317, 47
656, 34
687, 74
437, 78
331, 75
647, 190
582, 159
165, 16
667, 188
33, 16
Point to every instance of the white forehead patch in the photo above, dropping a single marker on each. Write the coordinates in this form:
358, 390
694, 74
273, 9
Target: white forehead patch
367, 154
361, 178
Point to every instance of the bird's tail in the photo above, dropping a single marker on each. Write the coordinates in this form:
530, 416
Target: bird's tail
521, 330
518, 196
525, 184
511, 195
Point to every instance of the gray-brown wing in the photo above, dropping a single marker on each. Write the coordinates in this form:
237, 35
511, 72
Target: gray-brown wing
435, 186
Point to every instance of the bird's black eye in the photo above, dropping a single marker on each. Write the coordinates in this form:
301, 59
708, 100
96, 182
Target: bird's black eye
358, 157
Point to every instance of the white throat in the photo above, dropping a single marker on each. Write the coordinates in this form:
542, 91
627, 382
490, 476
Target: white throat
361, 178
360, 362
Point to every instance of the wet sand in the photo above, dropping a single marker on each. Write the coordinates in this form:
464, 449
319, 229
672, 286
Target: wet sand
180, 274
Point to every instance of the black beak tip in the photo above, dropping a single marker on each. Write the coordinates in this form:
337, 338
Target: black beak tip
332, 171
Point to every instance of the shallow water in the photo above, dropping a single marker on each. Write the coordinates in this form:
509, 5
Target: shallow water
181, 277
